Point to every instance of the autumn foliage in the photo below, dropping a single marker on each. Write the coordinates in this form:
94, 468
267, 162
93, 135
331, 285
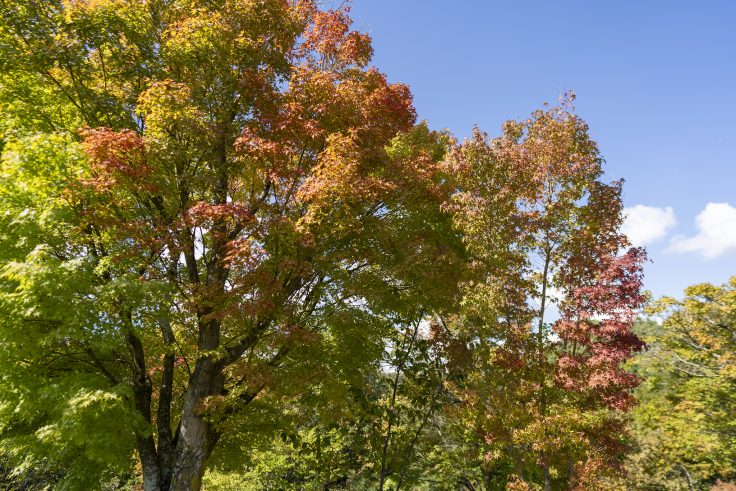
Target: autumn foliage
254, 224
550, 307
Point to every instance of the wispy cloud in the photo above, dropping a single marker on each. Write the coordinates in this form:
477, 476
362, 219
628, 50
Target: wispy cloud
716, 232
647, 224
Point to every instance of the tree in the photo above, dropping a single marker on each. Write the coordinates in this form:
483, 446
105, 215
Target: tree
689, 369
232, 189
545, 391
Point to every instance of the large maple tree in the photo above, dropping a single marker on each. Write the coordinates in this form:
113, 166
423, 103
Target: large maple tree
243, 186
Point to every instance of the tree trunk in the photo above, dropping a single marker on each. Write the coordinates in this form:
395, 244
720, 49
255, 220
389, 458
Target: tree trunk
149, 463
197, 437
142, 391
689, 478
391, 415
163, 421
547, 478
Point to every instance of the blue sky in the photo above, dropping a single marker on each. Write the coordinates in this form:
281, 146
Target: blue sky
656, 81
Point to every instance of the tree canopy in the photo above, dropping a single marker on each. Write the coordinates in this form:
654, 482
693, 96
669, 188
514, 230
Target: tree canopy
232, 258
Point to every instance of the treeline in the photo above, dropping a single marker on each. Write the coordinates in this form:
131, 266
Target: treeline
232, 259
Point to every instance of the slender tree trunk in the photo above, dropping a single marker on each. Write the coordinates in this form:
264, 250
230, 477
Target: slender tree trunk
166, 392
540, 328
571, 477
163, 421
399, 366
547, 479
467, 484
688, 477
142, 391
541, 341
410, 450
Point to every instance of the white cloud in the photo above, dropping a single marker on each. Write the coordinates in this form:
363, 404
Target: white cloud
646, 224
716, 232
